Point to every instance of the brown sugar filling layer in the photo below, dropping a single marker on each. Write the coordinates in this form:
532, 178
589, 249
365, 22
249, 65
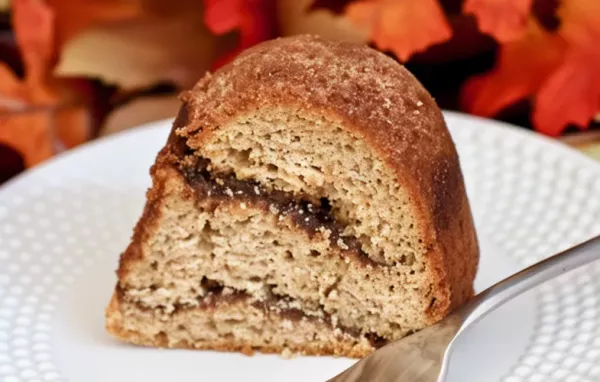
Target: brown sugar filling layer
218, 294
310, 214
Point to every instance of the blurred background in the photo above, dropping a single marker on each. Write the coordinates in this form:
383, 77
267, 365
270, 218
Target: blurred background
75, 70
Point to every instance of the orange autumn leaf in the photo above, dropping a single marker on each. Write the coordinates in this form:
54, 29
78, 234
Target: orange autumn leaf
29, 133
174, 47
33, 117
72, 17
521, 68
10, 86
506, 20
580, 23
29, 108
254, 20
571, 95
404, 27
33, 24
222, 16
39, 132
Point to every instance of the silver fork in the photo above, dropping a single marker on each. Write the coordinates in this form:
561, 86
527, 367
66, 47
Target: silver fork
424, 356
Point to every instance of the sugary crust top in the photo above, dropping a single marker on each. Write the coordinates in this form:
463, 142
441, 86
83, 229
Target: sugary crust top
375, 98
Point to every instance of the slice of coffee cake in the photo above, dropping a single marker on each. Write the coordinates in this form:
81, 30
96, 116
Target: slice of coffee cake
310, 200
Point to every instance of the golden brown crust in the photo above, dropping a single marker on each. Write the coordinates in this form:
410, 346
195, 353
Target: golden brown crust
376, 98
147, 224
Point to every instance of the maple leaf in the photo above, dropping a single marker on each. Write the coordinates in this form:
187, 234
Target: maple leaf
223, 16
72, 17
33, 25
29, 107
580, 22
10, 86
404, 27
506, 20
571, 94
173, 47
521, 68
253, 19
29, 133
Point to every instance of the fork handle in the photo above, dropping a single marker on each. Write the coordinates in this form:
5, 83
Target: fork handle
496, 295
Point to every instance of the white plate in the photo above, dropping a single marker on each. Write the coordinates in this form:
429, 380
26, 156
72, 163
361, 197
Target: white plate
64, 223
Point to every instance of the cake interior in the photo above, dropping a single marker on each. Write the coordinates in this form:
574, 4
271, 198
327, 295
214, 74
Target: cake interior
282, 232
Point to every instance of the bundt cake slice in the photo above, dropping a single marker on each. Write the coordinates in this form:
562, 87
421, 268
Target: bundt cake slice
309, 200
